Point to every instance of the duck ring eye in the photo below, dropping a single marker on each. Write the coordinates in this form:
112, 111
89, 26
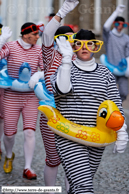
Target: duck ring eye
103, 112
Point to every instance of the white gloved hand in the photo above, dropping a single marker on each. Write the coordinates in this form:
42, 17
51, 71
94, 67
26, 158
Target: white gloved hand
120, 9
67, 6
64, 49
35, 78
122, 140
110, 20
64, 71
6, 34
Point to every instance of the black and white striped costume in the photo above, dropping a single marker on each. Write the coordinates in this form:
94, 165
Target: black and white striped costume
80, 105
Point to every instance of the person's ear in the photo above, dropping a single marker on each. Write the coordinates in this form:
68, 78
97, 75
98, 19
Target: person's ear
24, 36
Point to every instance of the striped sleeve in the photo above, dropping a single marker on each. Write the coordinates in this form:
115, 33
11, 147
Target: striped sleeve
105, 37
48, 56
113, 92
4, 52
127, 47
41, 60
51, 61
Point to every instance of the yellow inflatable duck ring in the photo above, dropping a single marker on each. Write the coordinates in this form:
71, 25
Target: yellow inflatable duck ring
109, 120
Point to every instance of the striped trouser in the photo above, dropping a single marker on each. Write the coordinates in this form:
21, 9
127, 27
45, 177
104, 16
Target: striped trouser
52, 158
1, 102
80, 164
16, 102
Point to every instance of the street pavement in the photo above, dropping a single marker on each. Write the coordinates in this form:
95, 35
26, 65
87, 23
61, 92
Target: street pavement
112, 176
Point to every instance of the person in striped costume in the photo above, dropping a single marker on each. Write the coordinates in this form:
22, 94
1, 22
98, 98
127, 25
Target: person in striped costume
117, 46
22, 50
79, 88
51, 60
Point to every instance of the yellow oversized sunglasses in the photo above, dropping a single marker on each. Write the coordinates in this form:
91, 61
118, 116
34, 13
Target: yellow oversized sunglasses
93, 46
67, 36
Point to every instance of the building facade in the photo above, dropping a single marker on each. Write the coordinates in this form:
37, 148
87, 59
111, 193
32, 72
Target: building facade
15, 13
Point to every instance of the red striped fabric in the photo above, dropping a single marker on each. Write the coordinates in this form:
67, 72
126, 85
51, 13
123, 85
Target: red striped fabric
52, 158
16, 55
51, 61
1, 102
14, 103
